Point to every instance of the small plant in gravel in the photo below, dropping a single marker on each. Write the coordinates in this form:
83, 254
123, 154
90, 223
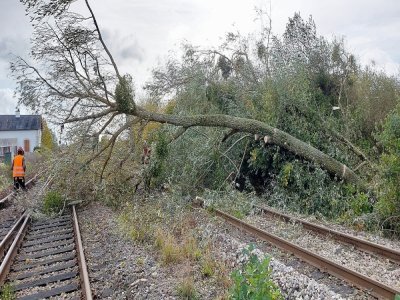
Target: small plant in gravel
170, 250
138, 222
186, 289
52, 203
190, 248
223, 276
253, 280
7, 293
208, 266
140, 261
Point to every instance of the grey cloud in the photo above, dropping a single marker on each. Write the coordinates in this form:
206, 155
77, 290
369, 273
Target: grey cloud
124, 48
14, 35
7, 102
6, 47
134, 52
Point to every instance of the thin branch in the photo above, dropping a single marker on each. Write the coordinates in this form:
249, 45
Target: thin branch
241, 163
73, 107
93, 116
228, 135
360, 165
114, 137
46, 81
231, 161
102, 41
107, 123
177, 134
237, 141
107, 159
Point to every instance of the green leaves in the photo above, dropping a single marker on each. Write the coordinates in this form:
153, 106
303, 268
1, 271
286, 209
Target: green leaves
389, 189
253, 282
53, 202
124, 94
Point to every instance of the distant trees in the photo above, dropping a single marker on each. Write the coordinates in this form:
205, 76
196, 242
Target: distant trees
48, 141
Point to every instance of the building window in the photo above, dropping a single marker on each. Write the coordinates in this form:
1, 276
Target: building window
27, 146
4, 150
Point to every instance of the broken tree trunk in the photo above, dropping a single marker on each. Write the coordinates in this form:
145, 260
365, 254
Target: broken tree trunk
278, 137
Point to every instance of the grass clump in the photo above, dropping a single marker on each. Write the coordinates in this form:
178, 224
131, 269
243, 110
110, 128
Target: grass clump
208, 267
186, 289
168, 246
138, 223
52, 203
190, 248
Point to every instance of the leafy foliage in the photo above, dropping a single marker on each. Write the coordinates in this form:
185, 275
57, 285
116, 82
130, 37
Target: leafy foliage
253, 281
124, 94
7, 292
48, 139
52, 203
389, 203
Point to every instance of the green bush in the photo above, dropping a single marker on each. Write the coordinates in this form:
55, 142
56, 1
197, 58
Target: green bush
7, 293
5, 176
388, 205
253, 281
53, 202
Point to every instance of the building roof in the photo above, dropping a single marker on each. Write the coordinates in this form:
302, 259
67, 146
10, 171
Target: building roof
23, 122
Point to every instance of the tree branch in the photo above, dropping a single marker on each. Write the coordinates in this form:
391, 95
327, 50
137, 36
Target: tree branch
93, 116
279, 137
102, 41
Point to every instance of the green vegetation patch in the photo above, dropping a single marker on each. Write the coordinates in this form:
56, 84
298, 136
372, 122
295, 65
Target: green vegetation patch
253, 280
53, 202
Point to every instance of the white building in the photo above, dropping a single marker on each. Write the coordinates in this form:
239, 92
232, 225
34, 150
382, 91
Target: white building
19, 131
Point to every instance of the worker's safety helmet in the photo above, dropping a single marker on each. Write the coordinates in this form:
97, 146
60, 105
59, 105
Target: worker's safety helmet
20, 151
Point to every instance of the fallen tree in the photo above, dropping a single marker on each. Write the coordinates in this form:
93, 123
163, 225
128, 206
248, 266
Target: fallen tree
75, 79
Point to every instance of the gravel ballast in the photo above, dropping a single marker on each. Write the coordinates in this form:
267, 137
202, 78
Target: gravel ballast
124, 269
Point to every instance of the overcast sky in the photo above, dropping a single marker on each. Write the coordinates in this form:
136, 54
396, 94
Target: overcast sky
141, 33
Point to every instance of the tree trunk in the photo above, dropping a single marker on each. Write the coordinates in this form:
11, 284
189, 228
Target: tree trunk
278, 137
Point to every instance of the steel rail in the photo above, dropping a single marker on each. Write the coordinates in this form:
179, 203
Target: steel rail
86, 291
372, 286
6, 240
6, 198
368, 246
12, 251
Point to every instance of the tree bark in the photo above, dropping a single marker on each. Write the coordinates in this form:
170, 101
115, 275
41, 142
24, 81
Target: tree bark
278, 137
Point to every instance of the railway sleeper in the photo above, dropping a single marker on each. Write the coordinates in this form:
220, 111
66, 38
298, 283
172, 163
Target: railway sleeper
47, 264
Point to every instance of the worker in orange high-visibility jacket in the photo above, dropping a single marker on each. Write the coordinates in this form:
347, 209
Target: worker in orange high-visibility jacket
18, 167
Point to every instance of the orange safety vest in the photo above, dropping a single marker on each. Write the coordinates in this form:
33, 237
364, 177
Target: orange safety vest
18, 167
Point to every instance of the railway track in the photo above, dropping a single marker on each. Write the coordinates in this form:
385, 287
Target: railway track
11, 193
44, 259
371, 286
373, 248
